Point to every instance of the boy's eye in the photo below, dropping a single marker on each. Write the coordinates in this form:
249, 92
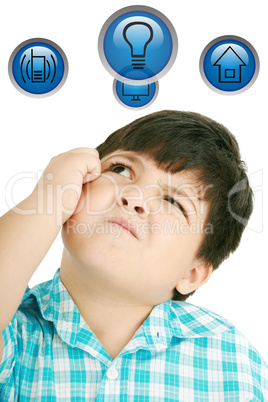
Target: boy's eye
176, 204
122, 170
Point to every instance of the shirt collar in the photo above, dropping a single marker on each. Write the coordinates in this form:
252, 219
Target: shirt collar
174, 319
166, 320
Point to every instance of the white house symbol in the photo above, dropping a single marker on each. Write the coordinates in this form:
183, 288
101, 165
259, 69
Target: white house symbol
230, 65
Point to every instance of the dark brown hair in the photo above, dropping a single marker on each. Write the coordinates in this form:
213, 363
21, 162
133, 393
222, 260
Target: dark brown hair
182, 141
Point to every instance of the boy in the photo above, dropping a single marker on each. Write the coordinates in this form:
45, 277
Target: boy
146, 218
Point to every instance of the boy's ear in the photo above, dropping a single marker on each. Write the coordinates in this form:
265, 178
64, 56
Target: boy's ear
195, 277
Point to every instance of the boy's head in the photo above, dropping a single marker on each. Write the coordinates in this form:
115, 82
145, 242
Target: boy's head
202, 160
182, 141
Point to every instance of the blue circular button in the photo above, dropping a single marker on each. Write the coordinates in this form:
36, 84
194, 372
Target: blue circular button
135, 96
138, 43
229, 64
38, 67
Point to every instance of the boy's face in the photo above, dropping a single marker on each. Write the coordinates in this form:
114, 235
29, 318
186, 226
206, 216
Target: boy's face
137, 229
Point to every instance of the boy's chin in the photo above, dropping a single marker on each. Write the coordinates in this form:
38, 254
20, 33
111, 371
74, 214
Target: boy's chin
99, 249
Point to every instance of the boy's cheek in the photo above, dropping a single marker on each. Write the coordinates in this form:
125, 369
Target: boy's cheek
80, 203
97, 198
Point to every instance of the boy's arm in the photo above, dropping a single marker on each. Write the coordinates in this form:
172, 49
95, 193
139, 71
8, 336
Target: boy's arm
24, 241
28, 230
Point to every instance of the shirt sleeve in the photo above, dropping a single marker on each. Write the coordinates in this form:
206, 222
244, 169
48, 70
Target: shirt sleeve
243, 366
9, 353
11, 360
259, 372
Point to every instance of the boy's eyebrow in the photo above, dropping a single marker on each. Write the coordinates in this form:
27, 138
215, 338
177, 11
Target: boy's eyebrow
130, 157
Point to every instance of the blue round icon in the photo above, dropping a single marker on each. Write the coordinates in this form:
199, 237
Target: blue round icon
38, 67
135, 96
138, 43
229, 64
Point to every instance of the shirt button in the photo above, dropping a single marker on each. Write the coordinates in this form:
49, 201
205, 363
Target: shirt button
112, 373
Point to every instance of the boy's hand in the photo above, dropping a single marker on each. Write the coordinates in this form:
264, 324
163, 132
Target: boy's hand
60, 186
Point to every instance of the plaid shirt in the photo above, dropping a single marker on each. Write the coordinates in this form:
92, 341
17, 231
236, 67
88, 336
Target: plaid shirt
180, 353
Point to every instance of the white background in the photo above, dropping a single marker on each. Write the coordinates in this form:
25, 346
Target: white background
84, 112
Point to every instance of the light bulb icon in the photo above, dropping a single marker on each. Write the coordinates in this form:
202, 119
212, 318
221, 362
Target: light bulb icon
138, 35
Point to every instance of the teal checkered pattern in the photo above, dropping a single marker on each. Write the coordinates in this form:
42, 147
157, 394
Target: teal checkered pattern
180, 353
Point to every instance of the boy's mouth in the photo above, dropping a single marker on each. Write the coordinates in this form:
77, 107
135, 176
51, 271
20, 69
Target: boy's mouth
125, 224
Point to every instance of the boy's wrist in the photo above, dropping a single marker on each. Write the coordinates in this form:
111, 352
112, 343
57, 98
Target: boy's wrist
36, 205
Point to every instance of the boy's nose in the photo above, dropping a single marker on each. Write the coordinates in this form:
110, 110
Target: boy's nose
132, 204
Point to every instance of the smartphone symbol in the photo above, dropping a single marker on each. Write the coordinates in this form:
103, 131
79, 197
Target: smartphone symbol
38, 68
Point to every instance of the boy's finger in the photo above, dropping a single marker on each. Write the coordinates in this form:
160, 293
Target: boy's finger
93, 169
90, 177
85, 150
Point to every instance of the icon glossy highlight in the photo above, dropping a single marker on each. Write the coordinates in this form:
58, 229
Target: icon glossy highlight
135, 96
229, 65
138, 43
38, 67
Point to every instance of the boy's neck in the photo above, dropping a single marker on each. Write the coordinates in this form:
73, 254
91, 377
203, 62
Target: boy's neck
113, 323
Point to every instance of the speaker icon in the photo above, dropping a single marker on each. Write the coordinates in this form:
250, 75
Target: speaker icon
38, 67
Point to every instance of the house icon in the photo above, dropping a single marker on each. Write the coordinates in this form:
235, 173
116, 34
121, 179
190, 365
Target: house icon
230, 65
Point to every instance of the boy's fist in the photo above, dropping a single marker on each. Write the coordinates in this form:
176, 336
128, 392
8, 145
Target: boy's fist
60, 186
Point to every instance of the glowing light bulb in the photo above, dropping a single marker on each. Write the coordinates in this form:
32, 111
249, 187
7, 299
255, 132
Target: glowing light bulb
138, 35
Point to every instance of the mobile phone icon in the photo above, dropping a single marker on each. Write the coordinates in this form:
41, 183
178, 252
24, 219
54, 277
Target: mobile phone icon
38, 68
